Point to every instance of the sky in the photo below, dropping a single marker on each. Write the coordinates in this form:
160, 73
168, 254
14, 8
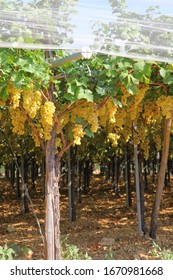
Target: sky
93, 10
166, 6
137, 5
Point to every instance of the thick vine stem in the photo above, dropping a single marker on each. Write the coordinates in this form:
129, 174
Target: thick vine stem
60, 130
161, 177
100, 105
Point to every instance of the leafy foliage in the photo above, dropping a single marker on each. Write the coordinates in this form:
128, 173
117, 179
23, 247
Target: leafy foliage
6, 253
163, 254
72, 252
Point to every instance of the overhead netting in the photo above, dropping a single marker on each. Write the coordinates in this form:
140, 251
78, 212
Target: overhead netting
104, 26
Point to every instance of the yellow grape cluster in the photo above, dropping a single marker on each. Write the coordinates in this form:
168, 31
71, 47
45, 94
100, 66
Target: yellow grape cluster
126, 132
120, 117
113, 138
63, 117
89, 112
158, 141
35, 137
107, 113
78, 133
145, 146
151, 112
18, 120
142, 88
47, 111
166, 105
135, 107
141, 132
141, 138
125, 95
31, 101
15, 95
84, 110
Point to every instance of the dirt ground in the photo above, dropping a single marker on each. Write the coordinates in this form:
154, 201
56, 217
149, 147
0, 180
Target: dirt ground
100, 215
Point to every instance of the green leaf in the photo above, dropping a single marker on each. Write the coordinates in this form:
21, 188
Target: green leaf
132, 88
100, 90
71, 88
146, 80
80, 121
29, 68
134, 80
168, 79
89, 133
116, 102
21, 62
139, 66
139, 76
78, 84
123, 75
84, 93
19, 79
89, 95
147, 69
69, 97
162, 72
4, 92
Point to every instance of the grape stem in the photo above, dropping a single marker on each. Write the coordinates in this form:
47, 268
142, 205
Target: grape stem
61, 131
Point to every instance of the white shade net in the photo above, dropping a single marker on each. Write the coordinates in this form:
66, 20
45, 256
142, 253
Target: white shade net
104, 26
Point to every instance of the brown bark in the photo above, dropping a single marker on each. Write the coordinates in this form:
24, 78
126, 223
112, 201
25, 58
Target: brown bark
161, 177
52, 224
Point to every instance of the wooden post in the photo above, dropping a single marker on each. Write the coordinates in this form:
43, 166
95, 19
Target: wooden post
137, 184
127, 179
160, 180
72, 216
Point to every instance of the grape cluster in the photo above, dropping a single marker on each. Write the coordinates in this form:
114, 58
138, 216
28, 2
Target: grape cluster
152, 112
31, 101
15, 95
35, 137
18, 120
113, 138
88, 111
47, 111
120, 117
166, 105
125, 95
81, 113
158, 141
78, 133
107, 113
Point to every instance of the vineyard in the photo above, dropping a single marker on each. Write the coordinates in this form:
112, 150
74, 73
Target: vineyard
86, 156
104, 227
